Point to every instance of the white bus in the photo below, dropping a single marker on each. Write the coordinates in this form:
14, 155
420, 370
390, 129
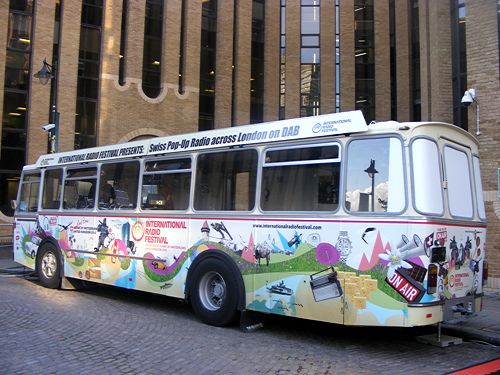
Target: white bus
323, 218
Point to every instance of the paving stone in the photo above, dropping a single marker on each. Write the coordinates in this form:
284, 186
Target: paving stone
114, 331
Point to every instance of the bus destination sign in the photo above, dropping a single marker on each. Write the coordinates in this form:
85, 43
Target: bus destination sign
306, 127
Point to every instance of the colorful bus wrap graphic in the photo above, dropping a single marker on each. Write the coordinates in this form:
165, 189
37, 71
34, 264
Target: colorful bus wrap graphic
343, 272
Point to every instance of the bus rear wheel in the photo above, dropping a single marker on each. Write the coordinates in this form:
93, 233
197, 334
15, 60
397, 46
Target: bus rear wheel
214, 292
48, 266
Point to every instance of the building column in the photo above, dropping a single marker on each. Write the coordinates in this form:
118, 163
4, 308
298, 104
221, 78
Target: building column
242, 62
327, 62
483, 76
40, 96
347, 62
403, 61
292, 70
382, 61
224, 64
435, 63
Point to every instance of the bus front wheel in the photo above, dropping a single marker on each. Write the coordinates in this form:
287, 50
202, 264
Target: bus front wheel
48, 266
214, 292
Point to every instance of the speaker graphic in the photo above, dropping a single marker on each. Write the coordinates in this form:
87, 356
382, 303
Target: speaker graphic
402, 242
413, 248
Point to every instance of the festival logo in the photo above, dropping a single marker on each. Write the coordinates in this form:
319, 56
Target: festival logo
137, 231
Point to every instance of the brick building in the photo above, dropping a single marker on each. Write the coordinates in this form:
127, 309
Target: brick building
130, 69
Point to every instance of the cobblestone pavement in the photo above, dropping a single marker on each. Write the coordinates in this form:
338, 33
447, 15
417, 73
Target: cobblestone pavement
114, 331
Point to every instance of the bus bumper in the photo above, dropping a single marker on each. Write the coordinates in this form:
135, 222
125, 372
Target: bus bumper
450, 311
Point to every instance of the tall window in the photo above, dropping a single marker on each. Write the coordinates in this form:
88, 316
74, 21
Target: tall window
459, 61
88, 74
257, 78
282, 58
123, 38
15, 102
151, 62
309, 58
182, 49
365, 57
207, 64
416, 114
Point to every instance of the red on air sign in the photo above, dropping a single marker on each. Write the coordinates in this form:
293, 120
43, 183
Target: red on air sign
409, 289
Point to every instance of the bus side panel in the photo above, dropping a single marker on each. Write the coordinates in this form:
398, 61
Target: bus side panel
289, 277
319, 270
350, 272
129, 252
289, 267
25, 241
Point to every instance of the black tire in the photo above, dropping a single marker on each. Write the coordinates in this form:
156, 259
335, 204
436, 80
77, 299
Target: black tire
214, 292
48, 266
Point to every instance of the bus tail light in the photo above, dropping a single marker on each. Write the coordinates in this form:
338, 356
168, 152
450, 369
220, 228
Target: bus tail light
485, 273
432, 278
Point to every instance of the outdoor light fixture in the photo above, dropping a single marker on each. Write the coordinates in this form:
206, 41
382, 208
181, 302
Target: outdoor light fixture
467, 99
371, 173
44, 75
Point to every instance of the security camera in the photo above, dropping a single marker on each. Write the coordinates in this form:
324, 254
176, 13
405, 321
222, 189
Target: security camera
469, 97
48, 127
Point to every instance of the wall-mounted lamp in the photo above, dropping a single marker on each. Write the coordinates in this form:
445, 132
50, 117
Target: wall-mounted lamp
467, 99
44, 75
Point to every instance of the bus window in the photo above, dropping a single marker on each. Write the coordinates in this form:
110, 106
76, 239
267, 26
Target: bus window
456, 165
52, 182
426, 177
479, 188
225, 181
118, 185
79, 188
301, 179
28, 197
375, 176
166, 184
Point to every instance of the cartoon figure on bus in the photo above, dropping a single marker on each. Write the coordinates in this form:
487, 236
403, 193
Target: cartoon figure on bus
296, 240
221, 228
103, 230
460, 253
466, 249
262, 251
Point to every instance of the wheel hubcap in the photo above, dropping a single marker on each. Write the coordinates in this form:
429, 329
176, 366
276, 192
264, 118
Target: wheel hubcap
49, 265
212, 291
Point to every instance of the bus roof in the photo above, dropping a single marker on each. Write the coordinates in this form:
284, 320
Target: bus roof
299, 128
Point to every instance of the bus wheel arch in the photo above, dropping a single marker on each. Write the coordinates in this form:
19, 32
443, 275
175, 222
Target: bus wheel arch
215, 288
49, 264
